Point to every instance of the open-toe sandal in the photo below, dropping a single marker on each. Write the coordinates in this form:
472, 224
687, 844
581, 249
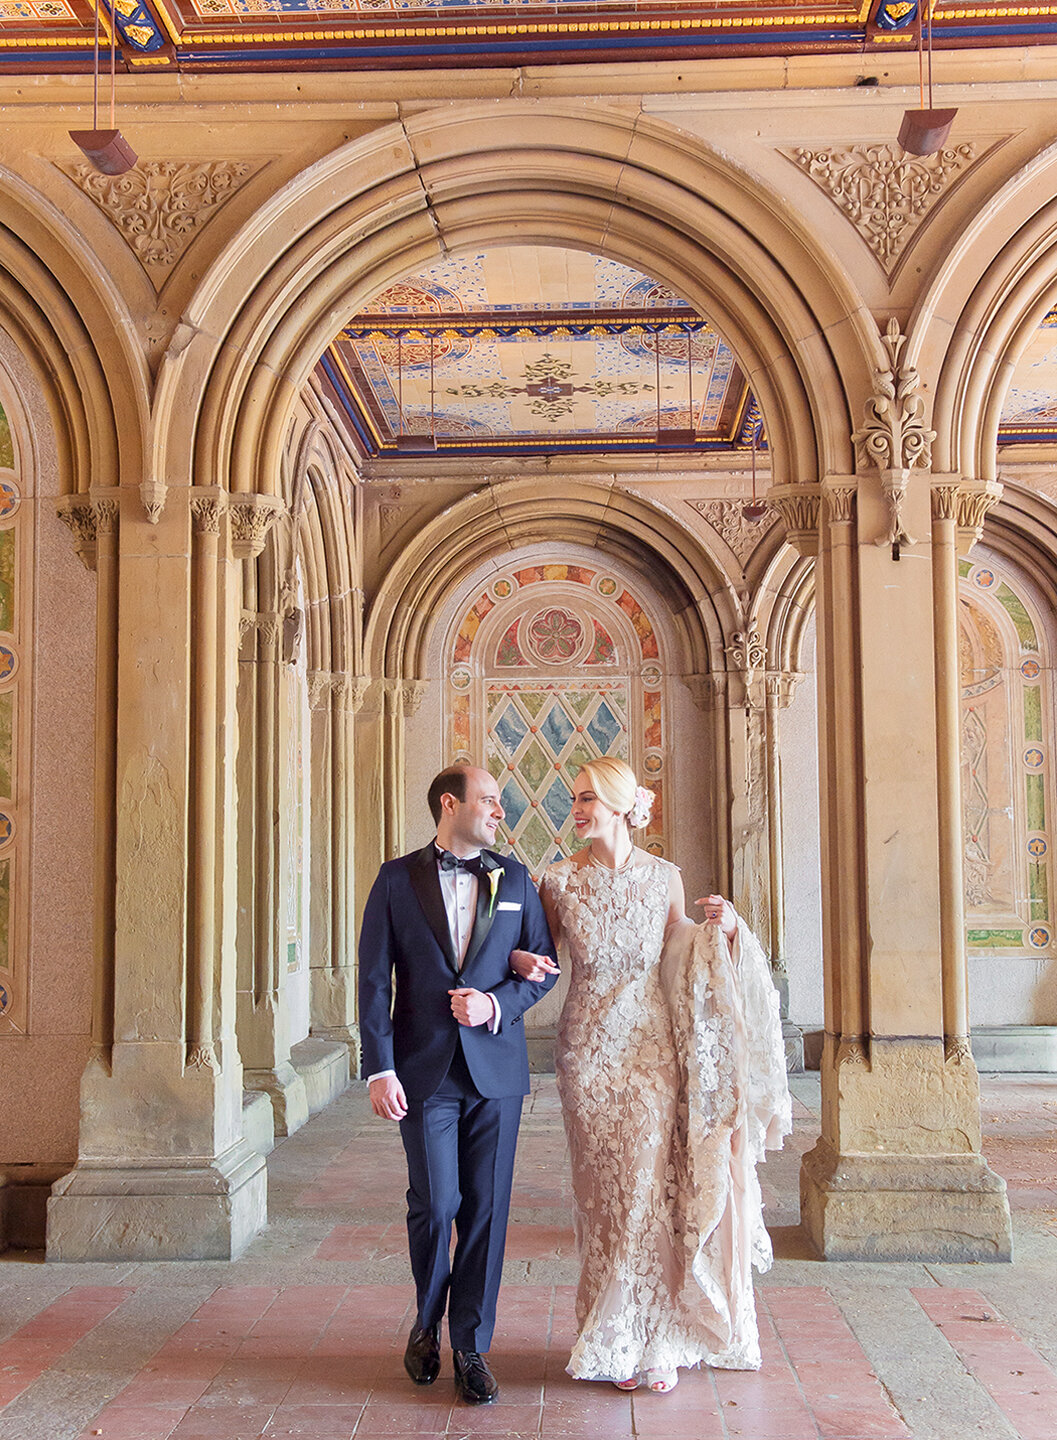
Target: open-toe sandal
661, 1381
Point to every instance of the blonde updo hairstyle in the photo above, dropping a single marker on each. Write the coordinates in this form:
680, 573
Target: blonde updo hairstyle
614, 782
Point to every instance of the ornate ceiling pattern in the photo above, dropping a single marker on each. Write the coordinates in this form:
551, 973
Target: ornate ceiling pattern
42, 35
528, 348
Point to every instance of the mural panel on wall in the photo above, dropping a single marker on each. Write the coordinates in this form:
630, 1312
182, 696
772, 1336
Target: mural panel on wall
14, 612
550, 666
1006, 766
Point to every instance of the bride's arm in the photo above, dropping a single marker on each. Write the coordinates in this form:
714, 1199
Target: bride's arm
537, 967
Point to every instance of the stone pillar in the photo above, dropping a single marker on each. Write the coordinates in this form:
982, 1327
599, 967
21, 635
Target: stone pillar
263, 1023
163, 1171
334, 701
897, 1173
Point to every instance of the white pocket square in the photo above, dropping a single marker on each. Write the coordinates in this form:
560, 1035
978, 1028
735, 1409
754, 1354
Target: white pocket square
508, 905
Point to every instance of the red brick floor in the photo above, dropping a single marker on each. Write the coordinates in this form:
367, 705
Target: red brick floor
303, 1336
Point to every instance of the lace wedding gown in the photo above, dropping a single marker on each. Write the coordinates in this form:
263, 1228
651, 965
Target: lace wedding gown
671, 1072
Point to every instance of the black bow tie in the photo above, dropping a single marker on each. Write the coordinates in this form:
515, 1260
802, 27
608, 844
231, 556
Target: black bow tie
472, 864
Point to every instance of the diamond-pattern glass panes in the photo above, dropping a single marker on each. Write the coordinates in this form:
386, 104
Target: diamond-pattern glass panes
539, 734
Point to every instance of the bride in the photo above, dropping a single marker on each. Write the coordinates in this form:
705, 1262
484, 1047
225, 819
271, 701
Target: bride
672, 1079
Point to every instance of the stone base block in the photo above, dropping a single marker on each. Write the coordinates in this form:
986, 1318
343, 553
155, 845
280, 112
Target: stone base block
793, 1040
541, 1044
258, 1122
24, 1191
285, 1088
114, 1212
904, 1207
323, 1067
1005, 1048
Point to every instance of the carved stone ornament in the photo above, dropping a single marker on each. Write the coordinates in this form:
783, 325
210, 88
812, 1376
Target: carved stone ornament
894, 437
252, 516
885, 192
976, 498
78, 514
705, 689
798, 505
728, 520
414, 692
840, 503
205, 514
747, 651
160, 205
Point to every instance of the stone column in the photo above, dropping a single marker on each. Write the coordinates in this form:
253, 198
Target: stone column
263, 1023
163, 1171
334, 701
897, 1172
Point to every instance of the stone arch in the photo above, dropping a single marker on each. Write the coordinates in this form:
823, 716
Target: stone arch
637, 190
65, 317
971, 328
518, 512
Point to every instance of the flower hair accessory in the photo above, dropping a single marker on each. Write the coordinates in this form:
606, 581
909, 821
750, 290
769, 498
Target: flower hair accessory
640, 811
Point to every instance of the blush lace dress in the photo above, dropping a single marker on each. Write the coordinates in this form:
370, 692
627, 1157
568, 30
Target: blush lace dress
672, 1078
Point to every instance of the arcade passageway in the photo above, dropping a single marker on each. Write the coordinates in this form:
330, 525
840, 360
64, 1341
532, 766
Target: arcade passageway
302, 1337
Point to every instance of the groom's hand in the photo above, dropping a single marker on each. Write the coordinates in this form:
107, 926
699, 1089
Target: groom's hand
387, 1097
531, 966
471, 1007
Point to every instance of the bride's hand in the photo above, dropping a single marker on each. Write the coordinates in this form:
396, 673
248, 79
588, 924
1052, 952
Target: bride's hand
720, 912
532, 967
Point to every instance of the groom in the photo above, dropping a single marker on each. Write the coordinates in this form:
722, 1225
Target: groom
444, 1052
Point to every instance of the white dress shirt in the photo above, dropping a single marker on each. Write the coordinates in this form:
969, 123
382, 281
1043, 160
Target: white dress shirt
459, 891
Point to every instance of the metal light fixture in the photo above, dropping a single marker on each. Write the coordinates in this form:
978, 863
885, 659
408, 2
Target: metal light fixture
925, 131
755, 511
108, 150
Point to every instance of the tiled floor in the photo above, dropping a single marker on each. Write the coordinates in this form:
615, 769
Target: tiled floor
303, 1336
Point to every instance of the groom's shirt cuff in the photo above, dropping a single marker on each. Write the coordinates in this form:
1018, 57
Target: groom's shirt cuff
379, 1075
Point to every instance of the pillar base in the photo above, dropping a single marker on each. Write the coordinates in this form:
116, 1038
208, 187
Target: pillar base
157, 1212
286, 1090
949, 1208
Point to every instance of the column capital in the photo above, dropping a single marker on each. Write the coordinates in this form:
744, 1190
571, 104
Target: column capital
77, 513
252, 516
799, 506
976, 498
207, 506
839, 492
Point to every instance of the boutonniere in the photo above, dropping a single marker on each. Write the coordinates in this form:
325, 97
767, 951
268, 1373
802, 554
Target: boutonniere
494, 877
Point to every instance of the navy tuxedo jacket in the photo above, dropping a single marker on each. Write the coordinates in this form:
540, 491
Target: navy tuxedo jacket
408, 965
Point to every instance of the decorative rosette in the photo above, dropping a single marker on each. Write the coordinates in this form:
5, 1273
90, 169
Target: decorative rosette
640, 811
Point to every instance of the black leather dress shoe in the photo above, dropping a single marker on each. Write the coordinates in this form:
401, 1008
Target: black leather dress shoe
473, 1379
422, 1356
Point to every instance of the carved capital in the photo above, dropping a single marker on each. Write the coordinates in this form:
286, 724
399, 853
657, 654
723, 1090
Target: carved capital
945, 500
77, 513
206, 509
975, 499
106, 515
840, 502
413, 693
799, 507
252, 516
319, 685
705, 690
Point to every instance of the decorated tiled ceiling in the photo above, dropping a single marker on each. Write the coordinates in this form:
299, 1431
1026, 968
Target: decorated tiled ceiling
531, 348
40, 35
1030, 410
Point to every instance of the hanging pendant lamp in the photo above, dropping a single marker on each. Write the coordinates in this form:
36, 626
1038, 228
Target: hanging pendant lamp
108, 150
925, 131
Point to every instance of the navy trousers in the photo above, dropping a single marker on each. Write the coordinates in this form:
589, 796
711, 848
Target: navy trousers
460, 1164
